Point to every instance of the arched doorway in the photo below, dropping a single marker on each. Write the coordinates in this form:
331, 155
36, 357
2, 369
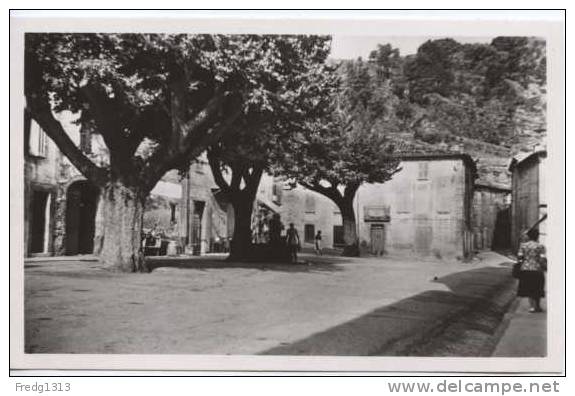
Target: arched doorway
81, 205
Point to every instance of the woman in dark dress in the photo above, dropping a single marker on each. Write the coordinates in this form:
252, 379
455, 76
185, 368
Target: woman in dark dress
531, 255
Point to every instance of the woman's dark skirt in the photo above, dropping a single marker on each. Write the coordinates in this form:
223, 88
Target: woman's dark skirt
531, 284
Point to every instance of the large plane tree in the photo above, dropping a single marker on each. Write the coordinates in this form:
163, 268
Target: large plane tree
261, 138
157, 100
350, 143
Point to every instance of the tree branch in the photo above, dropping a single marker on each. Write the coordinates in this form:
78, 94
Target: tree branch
163, 161
189, 129
215, 166
330, 192
350, 190
181, 142
53, 128
238, 170
102, 110
253, 180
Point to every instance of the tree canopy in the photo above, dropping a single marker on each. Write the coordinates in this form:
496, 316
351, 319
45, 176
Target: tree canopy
159, 100
348, 142
477, 91
256, 145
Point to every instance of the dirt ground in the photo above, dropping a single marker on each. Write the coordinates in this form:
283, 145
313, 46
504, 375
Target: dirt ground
208, 306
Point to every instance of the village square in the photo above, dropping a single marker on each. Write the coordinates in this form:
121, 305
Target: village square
266, 195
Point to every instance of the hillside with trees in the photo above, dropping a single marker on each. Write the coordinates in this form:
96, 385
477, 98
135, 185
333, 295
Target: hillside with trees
488, 100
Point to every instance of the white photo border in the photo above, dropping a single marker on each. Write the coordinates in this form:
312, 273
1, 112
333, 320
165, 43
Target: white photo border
340, 23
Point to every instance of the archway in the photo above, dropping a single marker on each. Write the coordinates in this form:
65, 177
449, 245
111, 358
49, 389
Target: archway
81, 206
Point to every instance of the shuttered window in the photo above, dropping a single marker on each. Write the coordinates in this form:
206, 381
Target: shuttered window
423, 171
309, 233
38, 144
338, 236
404, 199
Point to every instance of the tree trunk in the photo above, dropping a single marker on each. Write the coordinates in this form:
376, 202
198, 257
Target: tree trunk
123, 211
99, 225
351, 248
240, 247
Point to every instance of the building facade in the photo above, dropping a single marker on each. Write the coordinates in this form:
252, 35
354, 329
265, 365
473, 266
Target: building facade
205, 215
311, 212
425, 209
41, 177
528, 201
61, 206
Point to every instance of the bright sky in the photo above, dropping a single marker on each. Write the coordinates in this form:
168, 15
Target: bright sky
352, 47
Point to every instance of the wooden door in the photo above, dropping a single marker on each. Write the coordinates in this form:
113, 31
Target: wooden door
377, 236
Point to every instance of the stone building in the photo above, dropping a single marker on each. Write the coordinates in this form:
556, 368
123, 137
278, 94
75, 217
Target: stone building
528, 195
268, 202
311, 212
61, 206
425, 210
205, 215
41, 175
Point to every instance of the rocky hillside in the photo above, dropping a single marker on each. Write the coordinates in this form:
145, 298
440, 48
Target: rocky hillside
487, 100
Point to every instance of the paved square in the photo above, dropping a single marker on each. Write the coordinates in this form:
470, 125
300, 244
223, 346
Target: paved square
209, 306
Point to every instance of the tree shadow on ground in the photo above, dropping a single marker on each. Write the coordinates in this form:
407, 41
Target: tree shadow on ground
305, 264
393, 330
476, 282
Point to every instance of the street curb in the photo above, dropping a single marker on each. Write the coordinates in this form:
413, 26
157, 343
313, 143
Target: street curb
505, 321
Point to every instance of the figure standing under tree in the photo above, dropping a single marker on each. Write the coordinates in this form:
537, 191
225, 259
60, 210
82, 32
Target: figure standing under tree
293, 242
317, 243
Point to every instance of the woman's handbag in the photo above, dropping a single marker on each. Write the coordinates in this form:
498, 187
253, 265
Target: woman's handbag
544, 264
516, 270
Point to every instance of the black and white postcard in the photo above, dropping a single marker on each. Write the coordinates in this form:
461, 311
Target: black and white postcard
350, 192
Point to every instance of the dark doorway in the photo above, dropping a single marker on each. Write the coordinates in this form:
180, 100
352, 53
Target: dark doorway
197, 227
40, 221
502, 232
81, 205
